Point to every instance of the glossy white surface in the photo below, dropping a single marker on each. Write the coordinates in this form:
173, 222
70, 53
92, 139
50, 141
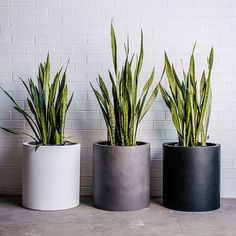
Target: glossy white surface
51, 177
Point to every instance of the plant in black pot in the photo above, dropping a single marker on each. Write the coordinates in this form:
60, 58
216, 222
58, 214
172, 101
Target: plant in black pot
191, 166
121, 165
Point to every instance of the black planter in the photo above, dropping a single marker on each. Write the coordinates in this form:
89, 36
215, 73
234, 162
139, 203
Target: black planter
191, 177
121, 177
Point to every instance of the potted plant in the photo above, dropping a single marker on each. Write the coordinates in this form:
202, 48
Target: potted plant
191, 166
51, 164
121, 165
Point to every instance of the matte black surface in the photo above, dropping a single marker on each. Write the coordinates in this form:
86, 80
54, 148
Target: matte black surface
121, 177
191, 177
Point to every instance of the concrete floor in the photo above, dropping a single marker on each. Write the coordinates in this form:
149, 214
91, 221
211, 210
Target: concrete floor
88, 221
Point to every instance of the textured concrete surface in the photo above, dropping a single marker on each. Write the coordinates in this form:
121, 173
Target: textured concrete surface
88, 221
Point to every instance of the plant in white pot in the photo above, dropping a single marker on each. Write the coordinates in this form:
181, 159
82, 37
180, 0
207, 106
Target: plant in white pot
51, 164
191, 167
121, 165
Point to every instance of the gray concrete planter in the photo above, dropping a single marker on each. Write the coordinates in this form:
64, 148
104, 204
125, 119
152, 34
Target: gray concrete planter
121, 176
191, 177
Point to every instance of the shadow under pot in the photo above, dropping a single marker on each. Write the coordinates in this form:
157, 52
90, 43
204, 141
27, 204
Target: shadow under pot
121, 176
191, 177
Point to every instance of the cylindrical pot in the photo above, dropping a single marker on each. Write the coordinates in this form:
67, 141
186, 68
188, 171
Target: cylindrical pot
51, 177
191, 177
121, 176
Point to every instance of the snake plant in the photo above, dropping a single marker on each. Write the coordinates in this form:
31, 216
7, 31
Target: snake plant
48, 104
189, 104
124, 110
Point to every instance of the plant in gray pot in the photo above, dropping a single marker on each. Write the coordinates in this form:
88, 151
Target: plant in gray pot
121, 165
191, 166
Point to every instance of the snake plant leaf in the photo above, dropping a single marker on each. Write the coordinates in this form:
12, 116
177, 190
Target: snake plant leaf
207, 118
202, 87
140, 58
177, 81
141, 103
175, 117
103, 88
111, 78
112, 122
129, 77
29, 119
18, 133
126, 46
179, 99
35, 114
206, 97
192, 117
180, 105
140, 106
170, 76
70, 100
62, 84
63, 114
150, 102
52, 115
22, 112
148, 84
46, 80
188, 108
99, 97
54, 86
44, 127
125, 122
138, 68
165, 95
188, 141
194, 46
114, 48
57, 138
102, 104
12, 99
192, 72
151, 99
210, 60
25, 85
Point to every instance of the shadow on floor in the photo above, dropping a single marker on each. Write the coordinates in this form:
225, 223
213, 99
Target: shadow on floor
14, 200
87, 200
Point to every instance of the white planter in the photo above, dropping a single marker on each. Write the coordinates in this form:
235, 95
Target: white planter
51, 177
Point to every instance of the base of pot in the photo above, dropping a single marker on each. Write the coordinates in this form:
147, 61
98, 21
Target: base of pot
119, 209
50, 209
192, 209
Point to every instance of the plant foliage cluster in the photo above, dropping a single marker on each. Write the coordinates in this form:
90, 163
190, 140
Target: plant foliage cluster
190, 107
124, 110
48, 103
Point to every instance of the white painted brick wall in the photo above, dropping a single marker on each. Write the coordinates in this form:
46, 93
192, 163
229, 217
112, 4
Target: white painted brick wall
79, 30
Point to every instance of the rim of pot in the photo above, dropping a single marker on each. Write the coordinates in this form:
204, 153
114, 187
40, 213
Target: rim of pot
105, 144
173, 145
31, 143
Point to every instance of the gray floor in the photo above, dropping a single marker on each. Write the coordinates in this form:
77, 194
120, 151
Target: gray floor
87, 221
